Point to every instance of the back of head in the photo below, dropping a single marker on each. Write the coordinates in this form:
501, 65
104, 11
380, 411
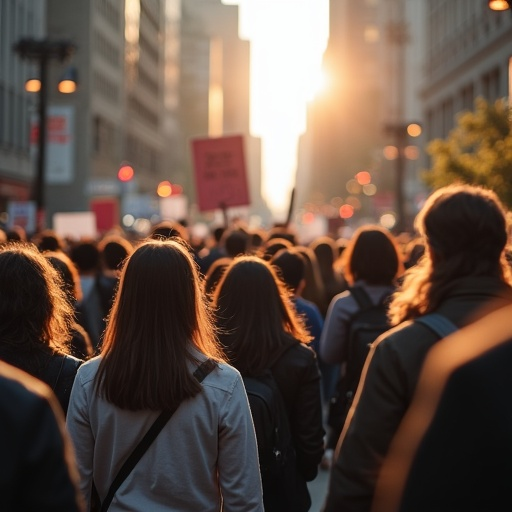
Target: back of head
291, 266
273, 245
214, 274
158, 314
113, 251
48, 240
167, 229
373, 256
254, 314
86, 256
33, 304
236, 242
465, 231
466, 228
68, 272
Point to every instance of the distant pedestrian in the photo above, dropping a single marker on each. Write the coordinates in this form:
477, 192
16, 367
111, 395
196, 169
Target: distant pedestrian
372, 264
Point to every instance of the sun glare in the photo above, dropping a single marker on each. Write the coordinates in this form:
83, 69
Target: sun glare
288, 38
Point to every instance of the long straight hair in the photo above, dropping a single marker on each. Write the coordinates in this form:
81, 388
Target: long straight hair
255, 315
158, 314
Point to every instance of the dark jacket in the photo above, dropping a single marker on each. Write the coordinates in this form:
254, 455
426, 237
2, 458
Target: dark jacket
36, 469
466, 454
387, 388
55, 369
298, 378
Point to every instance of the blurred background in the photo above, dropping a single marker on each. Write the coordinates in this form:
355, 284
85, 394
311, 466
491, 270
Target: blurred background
337, 101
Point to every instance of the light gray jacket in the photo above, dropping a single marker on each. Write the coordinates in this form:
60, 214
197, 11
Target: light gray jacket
204, 459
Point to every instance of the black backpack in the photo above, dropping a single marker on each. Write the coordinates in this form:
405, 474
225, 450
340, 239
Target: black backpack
366, 325
271, 424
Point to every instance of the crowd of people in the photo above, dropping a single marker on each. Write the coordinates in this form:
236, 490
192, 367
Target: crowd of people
133, 356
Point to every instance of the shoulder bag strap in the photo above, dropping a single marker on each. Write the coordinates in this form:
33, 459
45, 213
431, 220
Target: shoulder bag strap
201, 372
438, 323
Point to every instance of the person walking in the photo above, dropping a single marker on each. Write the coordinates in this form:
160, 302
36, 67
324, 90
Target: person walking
36, 319
158, 343
462, 276
261, 331
371, 264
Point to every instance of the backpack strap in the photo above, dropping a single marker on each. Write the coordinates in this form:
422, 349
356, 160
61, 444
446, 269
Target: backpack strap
201, 372
361, 297
437, 323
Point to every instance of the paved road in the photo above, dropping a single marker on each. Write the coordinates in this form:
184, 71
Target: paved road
318, 489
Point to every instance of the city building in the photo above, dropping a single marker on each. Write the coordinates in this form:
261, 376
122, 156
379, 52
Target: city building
17, 19
468, 54
373, 67
215, 87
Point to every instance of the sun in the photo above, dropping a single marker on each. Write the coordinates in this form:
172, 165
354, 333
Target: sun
288, 38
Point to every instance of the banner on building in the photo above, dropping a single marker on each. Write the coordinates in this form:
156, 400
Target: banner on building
60, 144
23, 214
220, 172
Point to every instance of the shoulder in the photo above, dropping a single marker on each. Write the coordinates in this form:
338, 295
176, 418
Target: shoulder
297, 355
87, 371
21, 394
223, 377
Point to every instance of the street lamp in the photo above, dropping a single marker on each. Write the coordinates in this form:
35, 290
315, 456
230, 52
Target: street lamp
42, 52
500, 5
400, 132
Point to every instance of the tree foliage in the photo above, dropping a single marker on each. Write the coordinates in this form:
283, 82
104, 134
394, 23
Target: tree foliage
478, 151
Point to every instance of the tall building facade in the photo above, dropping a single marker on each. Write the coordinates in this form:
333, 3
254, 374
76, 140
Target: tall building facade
468, 54
372, 62
118, 115
18, 18
215, 87
119, 108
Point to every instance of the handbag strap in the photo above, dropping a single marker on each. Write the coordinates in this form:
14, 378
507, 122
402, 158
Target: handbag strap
201, 372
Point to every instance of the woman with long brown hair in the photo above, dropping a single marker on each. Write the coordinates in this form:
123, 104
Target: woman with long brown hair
36, 319
158, 334
261, 331
462, 276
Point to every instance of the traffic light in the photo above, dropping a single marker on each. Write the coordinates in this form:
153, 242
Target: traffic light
125, 173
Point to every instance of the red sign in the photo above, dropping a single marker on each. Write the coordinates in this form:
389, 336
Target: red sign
219, 167
107, 212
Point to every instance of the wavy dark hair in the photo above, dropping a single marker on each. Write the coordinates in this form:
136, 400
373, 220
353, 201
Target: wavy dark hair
159, 313
373, 256
255, 315
34, 308
465, 232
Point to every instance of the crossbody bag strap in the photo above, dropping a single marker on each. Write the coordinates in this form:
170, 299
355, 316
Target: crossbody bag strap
201, 372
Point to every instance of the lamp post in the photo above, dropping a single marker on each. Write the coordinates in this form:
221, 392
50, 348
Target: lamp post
42, 52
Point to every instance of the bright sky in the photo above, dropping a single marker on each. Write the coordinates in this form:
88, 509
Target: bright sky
288, 38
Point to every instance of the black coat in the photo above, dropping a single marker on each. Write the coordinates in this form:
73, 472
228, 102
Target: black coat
298, 378
387, 388
36, 470
55, 369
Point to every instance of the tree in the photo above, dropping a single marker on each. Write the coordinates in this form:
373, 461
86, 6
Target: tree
478, 151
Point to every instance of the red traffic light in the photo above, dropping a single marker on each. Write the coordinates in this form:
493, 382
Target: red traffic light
125, 173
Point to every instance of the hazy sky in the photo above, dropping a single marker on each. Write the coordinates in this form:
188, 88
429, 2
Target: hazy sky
288, 38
